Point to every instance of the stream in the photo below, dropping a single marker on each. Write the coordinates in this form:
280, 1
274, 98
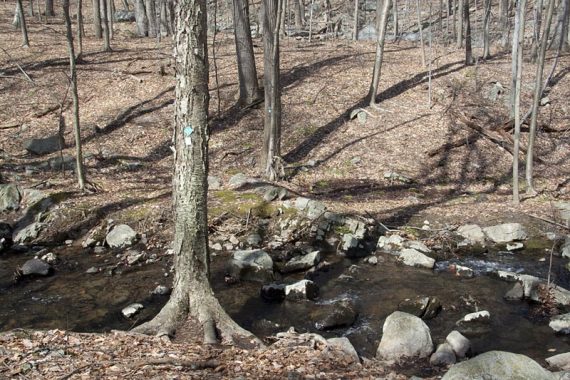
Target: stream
74, 300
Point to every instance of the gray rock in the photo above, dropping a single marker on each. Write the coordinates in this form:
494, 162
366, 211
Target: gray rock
495, 90
462, 271
161, 290
302, 262
44, 145
121, 236
50, 258
404, 336
254, 239
251, 265
35, 267
458, 343
498, 365
271, 194
515, 246
417, 245
214, 183
9, 198
132, 309
132, 257
473, 233
124, 16
516, 293
99, 250
531, 287
368, 32
92, 270
62, 163
216, 247
349, 242
344, 346
565, 249
304, 289
315, 209
415, 258
443, 355
338, 314
479, 316
238, 181
423, 307
372, 260
28, 233
301, 203
505, 233
560, 323
390, 244
563, 211
560, 362
5, 236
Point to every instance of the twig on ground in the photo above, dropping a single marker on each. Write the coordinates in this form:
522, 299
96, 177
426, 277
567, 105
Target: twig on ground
192, 364
549, 221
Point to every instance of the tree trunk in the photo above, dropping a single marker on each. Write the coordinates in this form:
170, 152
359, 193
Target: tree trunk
504, 22
420, 27
151, 17
49, 8
311, 21
192, 296
543, 42
105, 24
97, 29
126, 5
75, 97
80, 29
299, 14
383, 24
140, 17
455, 25
468, 49
537, 13
23, 26
248, 85
487, 16
110, 15
460, 12
396, 19
355, 28
517, 76
271, 154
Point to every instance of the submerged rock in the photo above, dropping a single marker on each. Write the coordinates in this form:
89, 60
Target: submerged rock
498, 365
251, 265
423, 307
338, 314
560, 323
304, 289
560, 362
404, 336
132, 309
443, 355
35, 267
415, 258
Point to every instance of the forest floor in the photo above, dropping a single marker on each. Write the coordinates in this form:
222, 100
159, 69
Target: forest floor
126, 100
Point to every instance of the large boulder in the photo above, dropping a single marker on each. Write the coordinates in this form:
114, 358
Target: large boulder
9, 198
498, 365
301, 290
338, 314
404, 336
459, 344
251, 265
415, 258
44, 145
560, 323
302, 262
343, 347
121, 236
28, 233
35, 267
505, 233
560, 362
473, 233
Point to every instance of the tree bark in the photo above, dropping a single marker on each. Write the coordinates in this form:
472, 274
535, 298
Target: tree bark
97, 28
105, 24
383, 24
396, 19
300, 14
110, 15
192, 296
49, 8
80, 29
23, 26
541, 54
460, 19
468, 49
271, 153
486, 18
537, 13
75, 97
141, 19
151, 17
248, 85
420, 27
504, 22
355, 26
517, 79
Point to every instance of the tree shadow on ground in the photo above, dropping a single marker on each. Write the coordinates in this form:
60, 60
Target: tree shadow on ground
305, 147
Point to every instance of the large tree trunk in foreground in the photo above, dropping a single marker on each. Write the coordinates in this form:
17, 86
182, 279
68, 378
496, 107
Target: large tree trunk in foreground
105, 24
248, 85
486, 21
192, 296
379, 52
468, 49
74, 95
271, 153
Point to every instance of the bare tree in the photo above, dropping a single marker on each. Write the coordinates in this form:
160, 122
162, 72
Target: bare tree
75, 97
105, 24
355, 28
300, 14
97, 28
518, 39
248, 85
151, 17
542, 44
80, 30
504, 22
49, 8
383, 24
460, 20
420, 27
141, 19
271, 153
396, 19
486, 19
22, 23
468, 48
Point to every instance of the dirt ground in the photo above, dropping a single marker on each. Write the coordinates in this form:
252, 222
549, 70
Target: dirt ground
126, 100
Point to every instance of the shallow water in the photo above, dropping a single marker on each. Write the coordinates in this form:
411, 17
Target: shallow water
72, 299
